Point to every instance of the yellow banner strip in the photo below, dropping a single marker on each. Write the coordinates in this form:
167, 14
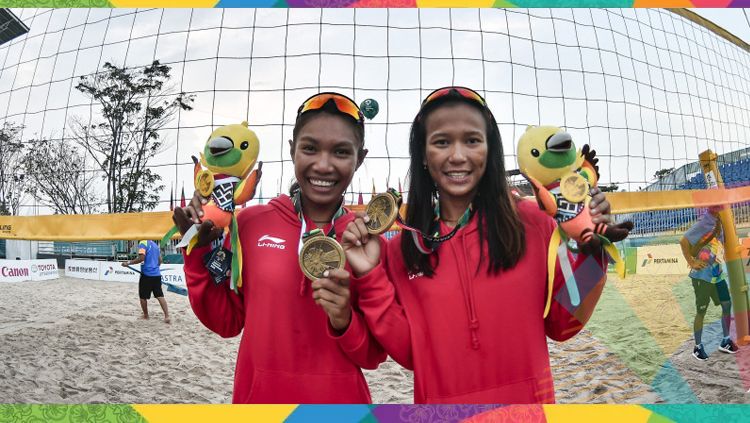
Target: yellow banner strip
154, 225
87, 227
631, 202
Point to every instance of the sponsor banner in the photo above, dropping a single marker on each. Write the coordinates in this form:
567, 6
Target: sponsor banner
113, 271
173, 274
82, 269
661, 260
15, 270
28, 270
42, 270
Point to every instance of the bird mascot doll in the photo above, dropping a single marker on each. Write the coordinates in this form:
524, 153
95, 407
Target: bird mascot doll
223, 174
562, 178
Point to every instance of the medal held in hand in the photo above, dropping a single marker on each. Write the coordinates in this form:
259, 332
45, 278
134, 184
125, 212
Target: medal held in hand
320, 253
382, 211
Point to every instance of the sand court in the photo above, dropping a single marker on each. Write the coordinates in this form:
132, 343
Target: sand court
80, 341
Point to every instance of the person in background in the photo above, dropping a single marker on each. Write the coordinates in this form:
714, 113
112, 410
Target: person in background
703, 249
149, 257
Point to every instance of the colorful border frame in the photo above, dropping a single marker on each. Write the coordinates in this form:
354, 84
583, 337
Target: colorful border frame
126, 413
375, 3
122, 413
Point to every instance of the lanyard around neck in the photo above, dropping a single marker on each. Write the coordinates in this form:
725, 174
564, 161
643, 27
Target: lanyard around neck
297, 201
426, 244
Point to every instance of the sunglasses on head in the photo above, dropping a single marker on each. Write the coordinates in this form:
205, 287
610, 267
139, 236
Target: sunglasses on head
343, 104
464, 92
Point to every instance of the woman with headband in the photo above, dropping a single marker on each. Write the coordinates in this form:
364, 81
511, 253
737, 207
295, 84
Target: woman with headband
459, 295
303, 341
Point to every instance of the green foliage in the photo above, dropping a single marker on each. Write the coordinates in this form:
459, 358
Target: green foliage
12, 180
134, 105
609, 188
58, 178
663, 172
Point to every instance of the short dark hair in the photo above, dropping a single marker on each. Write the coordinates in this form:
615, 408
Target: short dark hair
494, 203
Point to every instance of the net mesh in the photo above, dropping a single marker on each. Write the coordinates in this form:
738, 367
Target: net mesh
648, 88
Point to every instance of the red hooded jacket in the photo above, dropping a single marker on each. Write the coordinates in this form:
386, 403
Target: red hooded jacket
470, 336
288, 352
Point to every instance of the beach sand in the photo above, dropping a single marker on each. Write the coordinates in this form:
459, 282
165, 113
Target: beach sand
79, 341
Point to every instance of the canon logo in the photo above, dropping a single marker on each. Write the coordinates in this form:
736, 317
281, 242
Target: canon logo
14, 271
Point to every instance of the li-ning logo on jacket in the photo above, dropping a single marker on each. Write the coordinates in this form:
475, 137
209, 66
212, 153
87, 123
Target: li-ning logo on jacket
271, 242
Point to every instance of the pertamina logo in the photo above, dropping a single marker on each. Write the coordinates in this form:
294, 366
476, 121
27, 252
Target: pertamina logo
271, 242
108, 271
650, 259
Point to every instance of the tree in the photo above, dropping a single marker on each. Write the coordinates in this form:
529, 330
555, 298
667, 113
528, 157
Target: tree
609, 188
662, 173
135, 104
12, 179
59, 180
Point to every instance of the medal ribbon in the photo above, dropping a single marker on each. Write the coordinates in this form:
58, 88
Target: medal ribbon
297, 201
427, 244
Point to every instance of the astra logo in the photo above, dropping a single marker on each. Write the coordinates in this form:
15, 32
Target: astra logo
172, 279
271, 242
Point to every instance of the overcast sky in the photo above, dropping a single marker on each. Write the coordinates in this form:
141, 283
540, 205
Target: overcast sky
736, 21
648, 89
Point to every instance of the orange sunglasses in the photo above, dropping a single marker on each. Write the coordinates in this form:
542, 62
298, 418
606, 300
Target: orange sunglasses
343, 104
464, 92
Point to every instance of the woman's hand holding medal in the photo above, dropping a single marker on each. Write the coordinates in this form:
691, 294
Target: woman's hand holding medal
331, 292
184, 218
361, 248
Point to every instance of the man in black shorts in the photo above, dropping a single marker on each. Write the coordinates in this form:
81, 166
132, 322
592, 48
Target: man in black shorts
704, 253
150, 280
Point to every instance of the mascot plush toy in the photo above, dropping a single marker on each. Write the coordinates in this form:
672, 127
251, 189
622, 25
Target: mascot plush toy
228, 157
562, 179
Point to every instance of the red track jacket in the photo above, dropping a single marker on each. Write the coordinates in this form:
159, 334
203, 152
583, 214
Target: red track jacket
288, 352
469, 336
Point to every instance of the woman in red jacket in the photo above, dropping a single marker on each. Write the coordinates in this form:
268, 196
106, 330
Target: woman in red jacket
303, 342
467, 317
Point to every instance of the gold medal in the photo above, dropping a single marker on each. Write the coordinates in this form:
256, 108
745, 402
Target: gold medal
320, 253
574, 187
382, 211
204, 182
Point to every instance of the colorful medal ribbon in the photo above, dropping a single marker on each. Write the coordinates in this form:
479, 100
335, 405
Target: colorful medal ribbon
428, 244
297, 201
